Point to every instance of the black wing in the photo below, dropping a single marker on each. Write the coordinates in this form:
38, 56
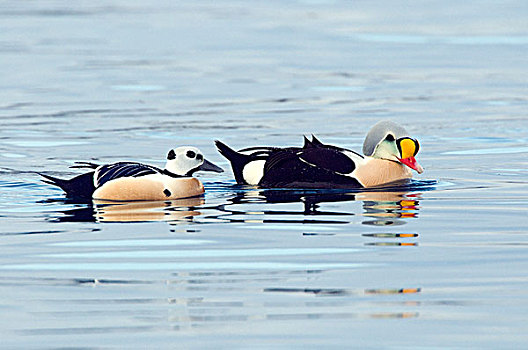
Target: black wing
316, 154
328, 158
314, 166
114, 171
321, 169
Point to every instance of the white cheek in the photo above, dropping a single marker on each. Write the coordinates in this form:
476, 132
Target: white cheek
182, 165
253, 171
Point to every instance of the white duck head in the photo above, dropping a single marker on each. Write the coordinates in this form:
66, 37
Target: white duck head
186, 160
388, 140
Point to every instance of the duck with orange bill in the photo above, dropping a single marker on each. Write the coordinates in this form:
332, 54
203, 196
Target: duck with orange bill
388, 156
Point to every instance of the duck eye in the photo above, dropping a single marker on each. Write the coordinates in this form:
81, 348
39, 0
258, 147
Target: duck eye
191, 154
199, 157
390, 138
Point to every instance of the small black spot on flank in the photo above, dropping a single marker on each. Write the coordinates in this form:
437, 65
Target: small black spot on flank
167, 192
390, 138
191, 154
171, 155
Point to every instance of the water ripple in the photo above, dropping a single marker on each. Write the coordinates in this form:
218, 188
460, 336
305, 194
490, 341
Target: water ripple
157, 266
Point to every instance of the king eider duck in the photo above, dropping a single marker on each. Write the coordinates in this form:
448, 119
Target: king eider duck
388, 150
131, 181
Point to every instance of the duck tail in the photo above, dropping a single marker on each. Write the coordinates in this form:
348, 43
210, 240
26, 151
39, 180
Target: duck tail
63, 184
237, 160
80, 186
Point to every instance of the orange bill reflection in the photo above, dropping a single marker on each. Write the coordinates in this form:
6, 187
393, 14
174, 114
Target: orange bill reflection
387, 206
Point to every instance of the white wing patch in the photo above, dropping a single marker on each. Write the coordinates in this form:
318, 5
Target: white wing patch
253, 171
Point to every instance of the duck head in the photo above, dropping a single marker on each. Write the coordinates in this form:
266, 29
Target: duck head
388, 140
186, 160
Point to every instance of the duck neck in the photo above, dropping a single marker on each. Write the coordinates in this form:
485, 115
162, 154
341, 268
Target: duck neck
170, 173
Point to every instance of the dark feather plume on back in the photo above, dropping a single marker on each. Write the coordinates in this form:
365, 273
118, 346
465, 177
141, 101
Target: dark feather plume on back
123, 169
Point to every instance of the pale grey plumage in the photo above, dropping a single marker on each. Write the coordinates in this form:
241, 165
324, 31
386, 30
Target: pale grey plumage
379, 132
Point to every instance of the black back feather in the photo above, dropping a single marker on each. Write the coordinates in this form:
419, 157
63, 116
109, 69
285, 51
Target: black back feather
80, 165
316, 142
276, 159
123, 169
329, 159
307, 143
291, 171
315, 165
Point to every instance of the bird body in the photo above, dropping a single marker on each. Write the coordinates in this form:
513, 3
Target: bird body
130, 181
389, 153
152, 187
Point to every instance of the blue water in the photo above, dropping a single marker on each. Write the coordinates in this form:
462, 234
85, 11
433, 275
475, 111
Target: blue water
439, 264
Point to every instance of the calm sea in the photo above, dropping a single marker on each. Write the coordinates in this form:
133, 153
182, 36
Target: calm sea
444, 265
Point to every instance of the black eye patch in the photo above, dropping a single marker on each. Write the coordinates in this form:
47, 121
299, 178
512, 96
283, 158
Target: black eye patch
390, 138
190, 154
199, 157
417, 147
171, 155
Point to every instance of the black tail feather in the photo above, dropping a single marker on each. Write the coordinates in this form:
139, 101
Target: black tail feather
237, 160
63, 184
81, 186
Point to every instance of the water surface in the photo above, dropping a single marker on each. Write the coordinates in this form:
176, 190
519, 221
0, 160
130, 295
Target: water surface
438, 265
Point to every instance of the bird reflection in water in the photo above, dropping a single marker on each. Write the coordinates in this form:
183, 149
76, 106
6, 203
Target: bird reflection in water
249, 200
381, 207
222, 297
173, 211
388, 207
